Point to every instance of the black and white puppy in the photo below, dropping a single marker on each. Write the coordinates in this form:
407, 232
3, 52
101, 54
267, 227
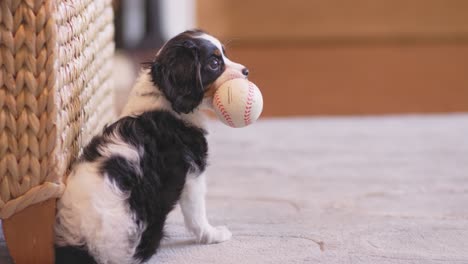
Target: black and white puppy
132, 175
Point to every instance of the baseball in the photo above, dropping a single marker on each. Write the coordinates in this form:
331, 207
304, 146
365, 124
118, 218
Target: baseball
238, 102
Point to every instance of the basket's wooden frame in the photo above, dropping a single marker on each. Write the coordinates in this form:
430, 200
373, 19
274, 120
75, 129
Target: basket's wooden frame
29, 233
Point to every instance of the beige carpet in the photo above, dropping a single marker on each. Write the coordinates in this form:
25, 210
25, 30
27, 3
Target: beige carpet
334, 190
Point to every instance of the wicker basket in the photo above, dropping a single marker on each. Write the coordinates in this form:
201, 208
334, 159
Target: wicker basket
55, 92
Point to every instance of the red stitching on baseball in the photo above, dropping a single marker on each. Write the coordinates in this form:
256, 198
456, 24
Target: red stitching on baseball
223, 111
249, 103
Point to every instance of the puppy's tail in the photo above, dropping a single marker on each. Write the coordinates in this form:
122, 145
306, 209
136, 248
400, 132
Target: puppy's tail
73, 255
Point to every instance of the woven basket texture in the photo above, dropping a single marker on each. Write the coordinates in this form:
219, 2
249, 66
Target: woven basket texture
55, 92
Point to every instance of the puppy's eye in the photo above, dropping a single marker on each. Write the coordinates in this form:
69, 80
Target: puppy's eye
214, 64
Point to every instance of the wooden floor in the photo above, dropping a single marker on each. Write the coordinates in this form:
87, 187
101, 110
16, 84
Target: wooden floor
357, 78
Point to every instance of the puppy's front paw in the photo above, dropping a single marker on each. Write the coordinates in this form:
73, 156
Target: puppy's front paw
216, 234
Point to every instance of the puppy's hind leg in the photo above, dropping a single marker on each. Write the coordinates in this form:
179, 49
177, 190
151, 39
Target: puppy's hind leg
193, 207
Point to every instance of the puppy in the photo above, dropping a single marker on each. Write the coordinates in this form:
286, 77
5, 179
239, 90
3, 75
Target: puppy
132, 175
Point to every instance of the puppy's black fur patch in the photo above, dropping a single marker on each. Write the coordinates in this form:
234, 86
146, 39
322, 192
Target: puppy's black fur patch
73, 255
170, 149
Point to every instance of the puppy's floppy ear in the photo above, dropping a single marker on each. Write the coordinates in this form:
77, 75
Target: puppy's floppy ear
176, 72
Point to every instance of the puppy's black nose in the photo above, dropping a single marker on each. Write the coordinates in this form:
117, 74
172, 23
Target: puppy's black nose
245, 71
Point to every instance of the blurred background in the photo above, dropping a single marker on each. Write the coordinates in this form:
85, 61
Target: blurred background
319, 57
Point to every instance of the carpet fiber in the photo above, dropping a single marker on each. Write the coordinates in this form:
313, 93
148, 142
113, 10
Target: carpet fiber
334, 190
